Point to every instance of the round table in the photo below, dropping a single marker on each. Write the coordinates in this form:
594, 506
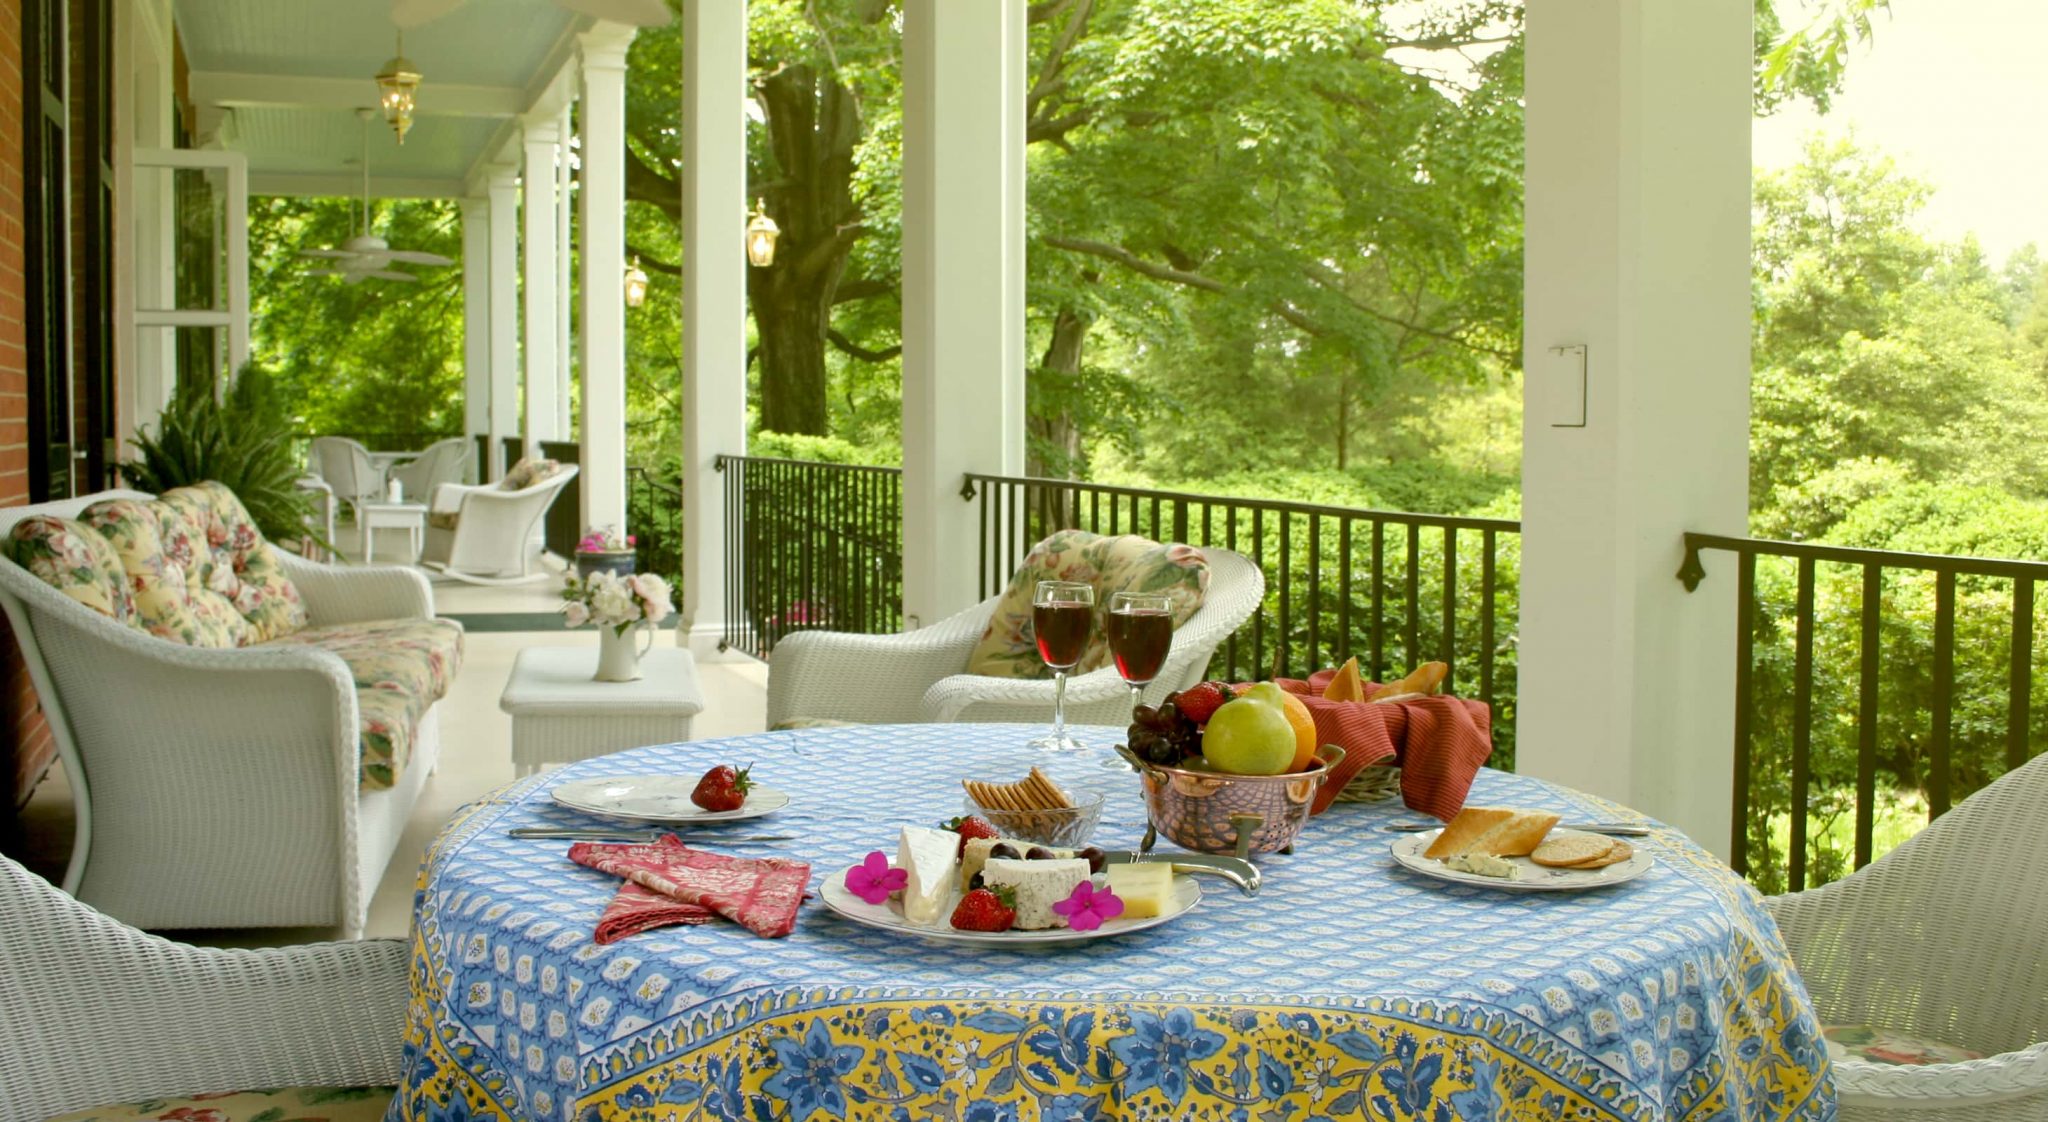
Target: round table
1348, 988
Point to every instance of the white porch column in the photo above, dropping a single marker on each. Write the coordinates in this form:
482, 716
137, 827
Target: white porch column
603, 53
963, 282
504, 300
1638, 250
476, 325
714, 285
565, 344
542, 357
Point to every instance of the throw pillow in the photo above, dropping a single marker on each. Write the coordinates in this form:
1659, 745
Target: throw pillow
234, 562
169, 601
71, 558
1127, 563
527, 473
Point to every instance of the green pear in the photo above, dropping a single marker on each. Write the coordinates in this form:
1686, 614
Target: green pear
1250, 735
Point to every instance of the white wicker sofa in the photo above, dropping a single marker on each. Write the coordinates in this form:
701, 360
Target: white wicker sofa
918, 676
226, 785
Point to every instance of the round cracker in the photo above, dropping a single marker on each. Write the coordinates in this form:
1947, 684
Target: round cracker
1567, 850
1622, 851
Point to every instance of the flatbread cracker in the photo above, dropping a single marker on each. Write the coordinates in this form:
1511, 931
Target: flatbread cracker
1621, 851
1571, 850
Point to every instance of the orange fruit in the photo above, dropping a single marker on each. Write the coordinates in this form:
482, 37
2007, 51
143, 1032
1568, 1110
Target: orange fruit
1304, 730
1347, 685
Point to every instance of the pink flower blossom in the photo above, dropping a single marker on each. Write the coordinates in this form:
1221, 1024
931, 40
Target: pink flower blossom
1089, 906
576, 615
873, 880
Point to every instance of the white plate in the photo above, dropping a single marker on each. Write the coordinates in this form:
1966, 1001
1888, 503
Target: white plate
662, 799
889, 917
1534, 877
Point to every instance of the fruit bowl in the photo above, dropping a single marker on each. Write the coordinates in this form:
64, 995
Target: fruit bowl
1065, 827
1216, 812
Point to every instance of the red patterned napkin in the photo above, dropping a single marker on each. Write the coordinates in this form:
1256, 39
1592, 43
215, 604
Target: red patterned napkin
671, 883
1438, 742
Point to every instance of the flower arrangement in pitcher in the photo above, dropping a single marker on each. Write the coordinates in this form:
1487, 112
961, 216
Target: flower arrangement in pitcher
606, 539
615, 602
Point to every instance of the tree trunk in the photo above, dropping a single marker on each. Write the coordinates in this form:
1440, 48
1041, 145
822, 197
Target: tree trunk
1054, 450
813, 126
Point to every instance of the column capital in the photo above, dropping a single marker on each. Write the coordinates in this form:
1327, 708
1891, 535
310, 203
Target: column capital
603, 47
540, 129
501, 177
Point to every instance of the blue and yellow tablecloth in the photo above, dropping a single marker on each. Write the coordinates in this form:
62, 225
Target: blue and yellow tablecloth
1349, 988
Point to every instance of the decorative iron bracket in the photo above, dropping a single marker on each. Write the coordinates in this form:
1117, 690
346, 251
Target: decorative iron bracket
967, 491
1691, 571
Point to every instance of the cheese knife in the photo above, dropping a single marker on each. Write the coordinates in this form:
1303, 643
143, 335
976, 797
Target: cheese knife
1615, 829
1236, 870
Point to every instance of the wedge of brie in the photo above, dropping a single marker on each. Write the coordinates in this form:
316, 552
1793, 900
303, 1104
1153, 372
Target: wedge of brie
928, 855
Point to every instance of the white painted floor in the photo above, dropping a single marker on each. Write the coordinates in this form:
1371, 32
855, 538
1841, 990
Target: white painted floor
475, 756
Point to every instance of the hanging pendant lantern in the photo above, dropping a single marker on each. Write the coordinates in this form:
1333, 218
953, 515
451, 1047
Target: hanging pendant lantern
396, 85
636, 284
761, 234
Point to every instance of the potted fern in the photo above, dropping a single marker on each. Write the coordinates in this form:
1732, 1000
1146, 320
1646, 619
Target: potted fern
241, 439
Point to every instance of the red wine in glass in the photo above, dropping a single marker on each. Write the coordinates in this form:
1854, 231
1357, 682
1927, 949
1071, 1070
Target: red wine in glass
1139, 639
1062, 630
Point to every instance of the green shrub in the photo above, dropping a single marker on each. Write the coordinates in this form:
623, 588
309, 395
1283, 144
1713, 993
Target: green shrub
242, 440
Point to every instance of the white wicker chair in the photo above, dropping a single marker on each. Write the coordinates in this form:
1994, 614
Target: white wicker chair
96, 1012
493, 539
916, 676
442, 462
346, 466
217, 787
1945, 938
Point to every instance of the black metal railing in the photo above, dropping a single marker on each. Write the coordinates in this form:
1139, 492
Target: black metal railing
654, 516
1873, 690
810, 545
1392, 588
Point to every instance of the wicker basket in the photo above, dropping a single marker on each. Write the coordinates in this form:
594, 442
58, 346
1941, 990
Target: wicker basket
1373, 783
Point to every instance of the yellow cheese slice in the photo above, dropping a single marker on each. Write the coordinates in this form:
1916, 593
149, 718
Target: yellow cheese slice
1146, 888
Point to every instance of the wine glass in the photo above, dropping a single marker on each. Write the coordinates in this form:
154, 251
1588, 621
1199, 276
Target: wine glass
1061, 612
1140, 633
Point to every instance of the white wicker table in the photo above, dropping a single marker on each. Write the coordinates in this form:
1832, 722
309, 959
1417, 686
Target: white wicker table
560, 714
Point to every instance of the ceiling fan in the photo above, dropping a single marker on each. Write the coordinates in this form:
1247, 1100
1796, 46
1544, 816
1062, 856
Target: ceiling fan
367, 256
639, 13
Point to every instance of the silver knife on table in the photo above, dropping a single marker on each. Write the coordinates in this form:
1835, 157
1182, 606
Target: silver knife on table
1236, 870
599, 834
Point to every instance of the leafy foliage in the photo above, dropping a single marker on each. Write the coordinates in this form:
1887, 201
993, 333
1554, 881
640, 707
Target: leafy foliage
241, 439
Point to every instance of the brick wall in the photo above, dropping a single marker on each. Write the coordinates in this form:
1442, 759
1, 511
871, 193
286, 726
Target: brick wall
25, 746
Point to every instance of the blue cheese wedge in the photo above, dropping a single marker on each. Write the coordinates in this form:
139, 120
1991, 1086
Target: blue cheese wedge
1038, 885
976, 855
1484, 865
927, 855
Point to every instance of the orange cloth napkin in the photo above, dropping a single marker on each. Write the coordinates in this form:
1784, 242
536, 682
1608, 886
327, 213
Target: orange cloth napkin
668, 883
1438, 742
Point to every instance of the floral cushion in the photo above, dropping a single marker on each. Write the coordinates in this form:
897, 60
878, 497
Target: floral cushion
1129, 563
401, 667
528, 472
156, 545
294, 1104
1883, 1046
240, 564
71, 558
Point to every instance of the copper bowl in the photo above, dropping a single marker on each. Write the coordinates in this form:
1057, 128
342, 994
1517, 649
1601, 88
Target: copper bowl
1213, 812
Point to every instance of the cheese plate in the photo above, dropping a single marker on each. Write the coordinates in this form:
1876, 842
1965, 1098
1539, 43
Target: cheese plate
662, 799
888, 916
1529, 876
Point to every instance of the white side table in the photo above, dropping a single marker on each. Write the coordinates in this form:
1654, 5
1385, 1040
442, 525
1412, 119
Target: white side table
560, 714
410, 517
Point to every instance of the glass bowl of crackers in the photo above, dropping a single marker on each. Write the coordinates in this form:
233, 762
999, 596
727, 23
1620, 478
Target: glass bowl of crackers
1035, 809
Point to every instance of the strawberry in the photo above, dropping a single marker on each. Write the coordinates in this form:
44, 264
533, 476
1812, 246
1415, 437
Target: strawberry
722, 788
970, 826
1202, 699
986, 909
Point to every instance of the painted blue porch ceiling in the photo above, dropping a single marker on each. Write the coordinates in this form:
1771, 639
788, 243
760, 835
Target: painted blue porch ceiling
284, 76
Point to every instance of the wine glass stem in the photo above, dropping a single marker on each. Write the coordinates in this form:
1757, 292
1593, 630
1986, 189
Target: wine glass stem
1137, 691
1059, 705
